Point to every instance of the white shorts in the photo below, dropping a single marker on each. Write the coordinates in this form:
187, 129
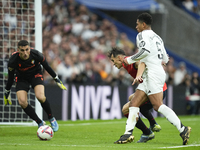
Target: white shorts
151, 86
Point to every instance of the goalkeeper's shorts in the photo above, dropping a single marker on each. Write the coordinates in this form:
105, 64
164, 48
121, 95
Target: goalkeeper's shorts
26, 84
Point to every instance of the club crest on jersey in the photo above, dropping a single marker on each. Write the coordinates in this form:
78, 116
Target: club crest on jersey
142, 44
32, 61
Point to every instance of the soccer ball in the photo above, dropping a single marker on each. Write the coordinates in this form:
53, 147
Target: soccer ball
45, 132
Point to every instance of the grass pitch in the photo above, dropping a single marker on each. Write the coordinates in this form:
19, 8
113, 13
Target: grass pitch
98, 135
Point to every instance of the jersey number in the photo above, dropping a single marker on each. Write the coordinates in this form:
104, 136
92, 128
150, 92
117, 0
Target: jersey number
160, 54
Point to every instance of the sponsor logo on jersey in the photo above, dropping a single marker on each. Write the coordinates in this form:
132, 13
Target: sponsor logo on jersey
24, 69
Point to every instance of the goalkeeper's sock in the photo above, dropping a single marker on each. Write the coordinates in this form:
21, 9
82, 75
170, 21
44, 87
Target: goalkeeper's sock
140, 125
31, 113
149, 116
47, 109
171, 117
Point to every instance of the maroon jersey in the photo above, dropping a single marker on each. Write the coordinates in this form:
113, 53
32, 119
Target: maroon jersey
132, 70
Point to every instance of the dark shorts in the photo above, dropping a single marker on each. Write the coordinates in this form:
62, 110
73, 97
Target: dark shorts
26, 84
147, 105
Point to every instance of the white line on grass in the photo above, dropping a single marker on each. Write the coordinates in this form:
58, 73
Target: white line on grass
73, 124
97, 146
65, 145
192, 145
93, 123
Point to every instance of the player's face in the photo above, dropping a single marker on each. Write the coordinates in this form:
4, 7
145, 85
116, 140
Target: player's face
24, 52
116, 61
139, 26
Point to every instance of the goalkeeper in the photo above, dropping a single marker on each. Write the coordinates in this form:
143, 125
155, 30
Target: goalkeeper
25, 65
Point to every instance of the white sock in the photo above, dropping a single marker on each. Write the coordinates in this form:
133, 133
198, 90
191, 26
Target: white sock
131, 121
171, 117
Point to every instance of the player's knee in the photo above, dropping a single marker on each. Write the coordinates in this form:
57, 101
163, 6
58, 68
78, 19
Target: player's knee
41, 97
155, 107
125, 110
23, 102
130, 97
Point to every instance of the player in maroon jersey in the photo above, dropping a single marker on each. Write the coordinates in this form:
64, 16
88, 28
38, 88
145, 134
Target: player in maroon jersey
115, 55
25, 65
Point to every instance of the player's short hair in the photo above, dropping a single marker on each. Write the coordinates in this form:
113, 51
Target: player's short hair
23, 43
115, 51
145, 17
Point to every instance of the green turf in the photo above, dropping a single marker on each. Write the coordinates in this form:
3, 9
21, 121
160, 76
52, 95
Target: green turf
98, 135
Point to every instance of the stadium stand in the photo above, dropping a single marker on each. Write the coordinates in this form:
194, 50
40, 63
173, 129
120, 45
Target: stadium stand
77, 38
80, 38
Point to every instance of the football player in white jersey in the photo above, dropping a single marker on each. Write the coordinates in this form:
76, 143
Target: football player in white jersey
152, 53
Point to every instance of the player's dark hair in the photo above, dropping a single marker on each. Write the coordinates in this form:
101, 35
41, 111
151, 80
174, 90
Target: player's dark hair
23, 43
115, 51
145, 17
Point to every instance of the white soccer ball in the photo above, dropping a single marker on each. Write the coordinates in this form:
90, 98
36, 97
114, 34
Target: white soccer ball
45, 132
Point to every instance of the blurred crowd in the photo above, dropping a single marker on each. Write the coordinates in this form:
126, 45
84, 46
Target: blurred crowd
75, 44
190, 5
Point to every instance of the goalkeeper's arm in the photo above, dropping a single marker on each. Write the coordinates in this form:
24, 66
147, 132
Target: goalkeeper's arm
53, 74
7, 98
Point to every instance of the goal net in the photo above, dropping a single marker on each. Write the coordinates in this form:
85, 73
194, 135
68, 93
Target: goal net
17, 22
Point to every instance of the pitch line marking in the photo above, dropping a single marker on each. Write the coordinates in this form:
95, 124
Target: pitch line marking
73, 124
170, 147
57, 145
93, 123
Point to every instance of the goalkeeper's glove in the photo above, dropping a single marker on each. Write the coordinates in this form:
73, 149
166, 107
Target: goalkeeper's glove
7, 98
59, 83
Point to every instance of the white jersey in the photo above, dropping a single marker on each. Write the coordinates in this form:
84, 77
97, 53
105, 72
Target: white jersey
152, 53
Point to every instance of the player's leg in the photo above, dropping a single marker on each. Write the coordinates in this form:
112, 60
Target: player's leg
39, 93
147, 134
125, 109
156, 100
138, 98
22, 88
145, 110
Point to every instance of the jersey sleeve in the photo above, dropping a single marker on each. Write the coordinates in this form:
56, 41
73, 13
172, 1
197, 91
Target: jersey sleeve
11, 72
143, 49
10, 79
40, 56
44, 63
46, 66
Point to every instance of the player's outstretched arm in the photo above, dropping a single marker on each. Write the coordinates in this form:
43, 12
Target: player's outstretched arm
7, 98
59, 83
52, 72
138, 56
141, 68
